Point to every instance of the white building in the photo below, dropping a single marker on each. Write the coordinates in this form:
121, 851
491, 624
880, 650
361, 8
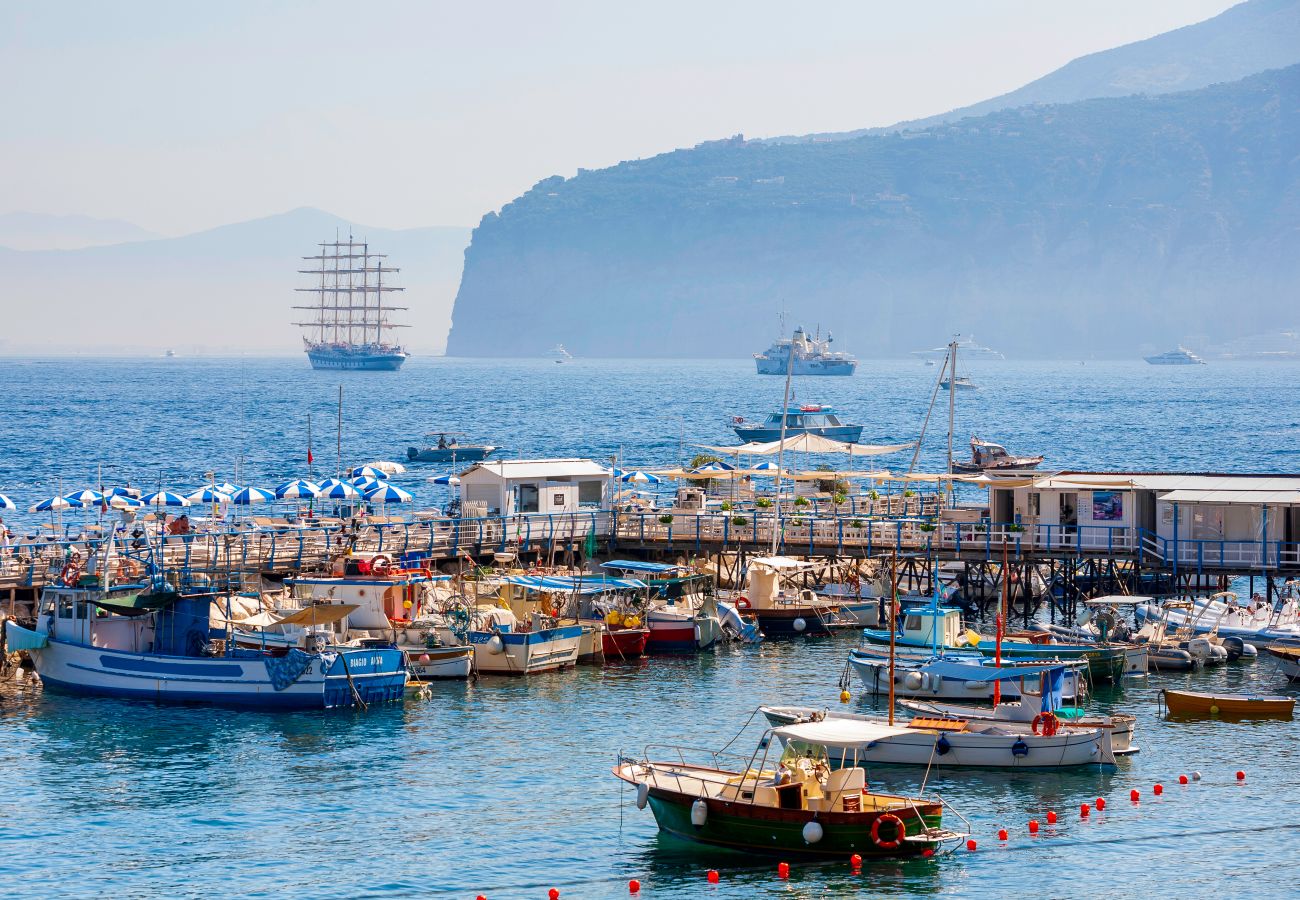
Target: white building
511, 486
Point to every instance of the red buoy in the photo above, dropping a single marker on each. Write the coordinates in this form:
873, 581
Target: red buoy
1241, 776
928, 852
970, 845
1182, 779
1051, 817
1002, 834
553, 894
1033, 826
713, 876
855, 861
1084, 809
1134, 795
1101, 803
633, 886
1158, 789
783, 870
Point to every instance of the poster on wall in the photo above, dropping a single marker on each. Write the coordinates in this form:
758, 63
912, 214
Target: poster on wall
1107, 506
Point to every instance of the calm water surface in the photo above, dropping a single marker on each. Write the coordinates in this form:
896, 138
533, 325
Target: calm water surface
502, 787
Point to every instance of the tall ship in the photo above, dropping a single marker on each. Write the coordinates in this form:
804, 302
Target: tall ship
812, 356
348, 326
1178, 357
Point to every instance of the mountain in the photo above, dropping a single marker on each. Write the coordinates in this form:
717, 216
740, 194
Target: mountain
1088, 228
1248, 38
228, 289
37, 231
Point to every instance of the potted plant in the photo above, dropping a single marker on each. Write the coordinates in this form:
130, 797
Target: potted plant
909, 493
763, 503
926, 526
666, 519
874, 494
839, 498
856, 523
726, 506
800, 501
739, 521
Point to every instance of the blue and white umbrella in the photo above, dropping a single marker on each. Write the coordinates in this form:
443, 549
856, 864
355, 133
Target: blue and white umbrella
365, 483
53, 503
445, 479
764, 467
367, 472
84, 498
616, 472
164, 498
640, 478
6, 503
227, 488
714, 466
123, 502
338, 490
386, 493
131, 492
250, 495
209, 495
299, 489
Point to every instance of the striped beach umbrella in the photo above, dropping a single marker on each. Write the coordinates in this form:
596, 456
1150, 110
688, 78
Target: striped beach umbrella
84, 498
209, 495
369, 471
299, 489
123, 492
714, 466
641, 478
164, 498
123, 502
227, 488
444, 479
386, 493
333, 489
764, 467
364, 483
250, 495
6, 503
51, 504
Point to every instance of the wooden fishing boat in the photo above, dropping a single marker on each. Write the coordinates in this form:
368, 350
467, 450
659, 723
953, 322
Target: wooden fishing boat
1229, 706
1289, 657
798, 806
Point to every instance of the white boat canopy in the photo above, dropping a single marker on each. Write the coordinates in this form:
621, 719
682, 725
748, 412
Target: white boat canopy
838, 733
808, 443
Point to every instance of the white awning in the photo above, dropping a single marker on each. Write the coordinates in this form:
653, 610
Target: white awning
1249, 498
809, 443
779, 562
839, 733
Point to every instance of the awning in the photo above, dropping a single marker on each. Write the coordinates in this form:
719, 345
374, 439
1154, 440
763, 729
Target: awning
321, 614
780, 562
1118, 600
635, 565
988, 674
1250, 498
594, 584
809, 443
134, 603
819, 475
838, 733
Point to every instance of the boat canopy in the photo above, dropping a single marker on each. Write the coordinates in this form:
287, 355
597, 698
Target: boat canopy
808, 443
838, 733
135, 603
321, 614
989, 674
1118, 600
633, 565
564, 584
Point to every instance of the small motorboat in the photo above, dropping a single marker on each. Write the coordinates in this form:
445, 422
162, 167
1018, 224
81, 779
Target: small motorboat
1121, 725
449, 449
810, 418
782, 608
986, 456
952, 676
961, 383
790, 802
1228, 706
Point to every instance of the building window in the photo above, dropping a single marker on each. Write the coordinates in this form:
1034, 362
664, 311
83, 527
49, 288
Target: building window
529, 499
1035, 501
590, 493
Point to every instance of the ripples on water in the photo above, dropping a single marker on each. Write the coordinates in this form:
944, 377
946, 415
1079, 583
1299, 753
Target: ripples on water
503, 786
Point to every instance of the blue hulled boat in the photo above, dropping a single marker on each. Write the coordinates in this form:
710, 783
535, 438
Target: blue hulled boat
811, 418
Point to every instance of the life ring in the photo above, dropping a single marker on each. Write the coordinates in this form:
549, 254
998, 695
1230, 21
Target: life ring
742, 603
900, 832
1051, 724
550, 606
380, 565
69, 574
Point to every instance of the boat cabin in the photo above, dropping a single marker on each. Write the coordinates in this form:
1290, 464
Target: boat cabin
918, 626
127, 619
810, 416
524, 486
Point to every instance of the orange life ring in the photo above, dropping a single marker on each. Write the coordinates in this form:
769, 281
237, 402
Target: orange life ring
69, 574
742, 603
1049, 721
900, 832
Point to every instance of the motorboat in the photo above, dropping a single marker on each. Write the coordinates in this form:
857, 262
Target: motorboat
790, 802
1024, 710
449, 449
934, 741
1225, 615
809, 418
987, 456
681, 610
1229, 706
960, 383
804, 355
782, 608
949, 676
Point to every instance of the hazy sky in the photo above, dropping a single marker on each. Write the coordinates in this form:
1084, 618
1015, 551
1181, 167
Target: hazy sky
178, 116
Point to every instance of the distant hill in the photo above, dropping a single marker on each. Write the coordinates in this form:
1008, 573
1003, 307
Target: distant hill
37, 231
228, 289
1082, 229
1248, 38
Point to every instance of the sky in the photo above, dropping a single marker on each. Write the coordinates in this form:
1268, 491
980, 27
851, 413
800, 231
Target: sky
182, 116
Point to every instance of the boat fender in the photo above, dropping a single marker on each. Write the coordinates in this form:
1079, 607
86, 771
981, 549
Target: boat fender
1019, 748
699, 813
812, 832
936, 682
976, 685
642, 795
495, 645
900, 831
800, 624
942, 746
913, 681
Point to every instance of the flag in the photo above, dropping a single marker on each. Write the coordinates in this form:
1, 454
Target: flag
309, 458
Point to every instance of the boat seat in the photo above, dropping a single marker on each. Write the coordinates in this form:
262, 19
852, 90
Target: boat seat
933, 724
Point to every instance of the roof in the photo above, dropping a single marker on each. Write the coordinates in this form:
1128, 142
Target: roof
510, 469
1251, 497
1167, 481
839, 733
635, 565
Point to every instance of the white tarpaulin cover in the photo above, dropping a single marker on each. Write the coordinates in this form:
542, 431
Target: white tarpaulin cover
839, 733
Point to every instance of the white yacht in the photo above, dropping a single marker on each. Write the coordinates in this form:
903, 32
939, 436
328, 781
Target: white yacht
1179, 357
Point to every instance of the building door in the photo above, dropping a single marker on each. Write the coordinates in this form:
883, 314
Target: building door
1069, 512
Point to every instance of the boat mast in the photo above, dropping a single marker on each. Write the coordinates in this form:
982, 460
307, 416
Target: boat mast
893, 626
952, 407
780, 450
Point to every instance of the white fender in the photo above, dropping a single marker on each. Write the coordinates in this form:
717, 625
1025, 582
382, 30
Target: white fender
642, 795
913, 681
800, 624
812, 832
699, 813
495, 645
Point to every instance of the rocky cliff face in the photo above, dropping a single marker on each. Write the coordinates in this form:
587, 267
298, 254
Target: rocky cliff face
1090, 228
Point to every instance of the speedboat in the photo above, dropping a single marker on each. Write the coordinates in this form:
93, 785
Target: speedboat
936, 741
782, 608
810, 418
790, 802
987, 456
449, 449
681, 611
961, 383
950, 676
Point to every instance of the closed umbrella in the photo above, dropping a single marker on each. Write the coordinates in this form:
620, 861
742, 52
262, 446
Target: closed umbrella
386, 493
250, 495
164, 498
300, 489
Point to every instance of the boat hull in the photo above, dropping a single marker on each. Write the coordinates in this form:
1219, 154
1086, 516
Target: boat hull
763, 434
785, 622
526, 652
1228, 706
428, 663
356, 360
448, 454
672, 632
771, 365
624, 643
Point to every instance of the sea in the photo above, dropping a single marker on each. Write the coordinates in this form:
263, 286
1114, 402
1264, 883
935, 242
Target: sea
502, 788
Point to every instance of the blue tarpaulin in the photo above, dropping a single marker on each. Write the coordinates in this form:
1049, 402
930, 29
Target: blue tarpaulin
990, 674
632, 565
562, 584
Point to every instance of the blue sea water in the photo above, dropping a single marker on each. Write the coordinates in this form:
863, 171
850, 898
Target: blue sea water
502, 787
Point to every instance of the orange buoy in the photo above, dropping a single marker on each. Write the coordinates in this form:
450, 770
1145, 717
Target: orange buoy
1134, 795
1051, 817
970, 845
1084, 809
1158, 789
633, 886
783, 870
1101, 803
855, 861
713, 876
1182, 779
1033, 826
1002, 834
